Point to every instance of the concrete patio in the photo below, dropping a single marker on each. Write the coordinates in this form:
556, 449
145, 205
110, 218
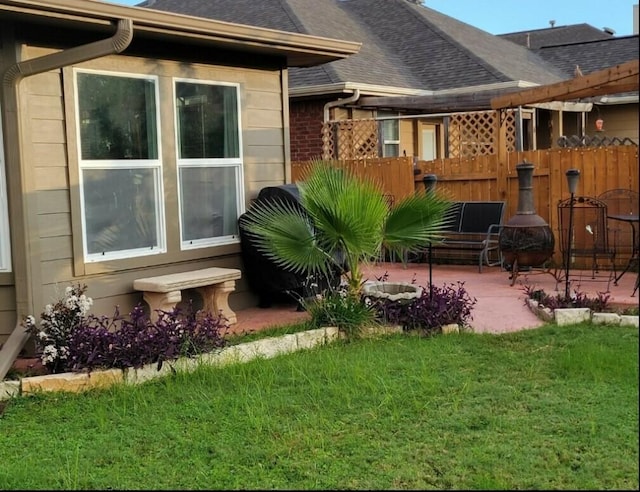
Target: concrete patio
500, 306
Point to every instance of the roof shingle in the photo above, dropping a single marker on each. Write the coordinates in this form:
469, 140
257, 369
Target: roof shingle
404, 45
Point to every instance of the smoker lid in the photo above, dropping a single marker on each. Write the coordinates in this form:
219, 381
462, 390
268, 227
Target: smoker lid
287, 192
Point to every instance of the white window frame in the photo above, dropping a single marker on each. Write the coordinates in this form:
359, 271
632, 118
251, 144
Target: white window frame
155, 164
389, 116
5, 238
236, 163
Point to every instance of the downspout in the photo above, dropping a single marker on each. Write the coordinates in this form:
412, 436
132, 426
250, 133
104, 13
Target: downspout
332, 104
24, 275
340, 102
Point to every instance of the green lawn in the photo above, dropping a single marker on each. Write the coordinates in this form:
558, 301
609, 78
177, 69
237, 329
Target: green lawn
550, 408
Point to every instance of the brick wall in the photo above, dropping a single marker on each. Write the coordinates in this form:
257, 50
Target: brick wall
305, 118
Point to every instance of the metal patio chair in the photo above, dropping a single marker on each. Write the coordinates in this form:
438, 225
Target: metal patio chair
589, 238
622, 217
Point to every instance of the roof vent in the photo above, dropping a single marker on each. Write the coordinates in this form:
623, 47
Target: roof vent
608, 30
552, 23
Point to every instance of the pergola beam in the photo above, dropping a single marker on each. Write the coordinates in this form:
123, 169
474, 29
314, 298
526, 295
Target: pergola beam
441, 103
612, 80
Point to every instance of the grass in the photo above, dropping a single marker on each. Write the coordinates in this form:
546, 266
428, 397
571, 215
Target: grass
550, 408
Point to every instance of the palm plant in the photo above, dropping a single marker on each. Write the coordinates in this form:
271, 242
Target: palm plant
346, 222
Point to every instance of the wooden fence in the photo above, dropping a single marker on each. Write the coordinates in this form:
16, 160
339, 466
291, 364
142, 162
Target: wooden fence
394, 175
490, 178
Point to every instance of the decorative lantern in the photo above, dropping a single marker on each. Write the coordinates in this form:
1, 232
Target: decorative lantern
599, 124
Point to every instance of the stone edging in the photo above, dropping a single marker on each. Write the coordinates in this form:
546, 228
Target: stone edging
244, 352
569, 316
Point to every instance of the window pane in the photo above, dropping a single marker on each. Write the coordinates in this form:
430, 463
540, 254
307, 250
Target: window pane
208, 202
391, 129
120, 209
117, 117
391, 150
207, 121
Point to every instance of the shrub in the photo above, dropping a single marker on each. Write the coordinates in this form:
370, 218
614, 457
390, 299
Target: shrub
118, 342
341, 308
70, 340
434, 308
578, 299
58, 322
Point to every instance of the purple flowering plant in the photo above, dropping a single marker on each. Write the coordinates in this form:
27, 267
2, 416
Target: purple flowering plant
576, 299
434, 308
70, 339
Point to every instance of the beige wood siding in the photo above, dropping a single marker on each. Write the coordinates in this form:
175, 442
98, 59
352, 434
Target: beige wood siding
407, 144
619, 121
7, 311
49, 122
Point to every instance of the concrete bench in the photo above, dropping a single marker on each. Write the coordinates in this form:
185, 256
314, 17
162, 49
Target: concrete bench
164, 292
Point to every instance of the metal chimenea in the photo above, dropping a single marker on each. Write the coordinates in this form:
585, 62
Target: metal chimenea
526, 239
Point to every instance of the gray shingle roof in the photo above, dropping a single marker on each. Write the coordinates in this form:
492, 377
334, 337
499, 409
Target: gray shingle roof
537, 38
592, 55
403, 44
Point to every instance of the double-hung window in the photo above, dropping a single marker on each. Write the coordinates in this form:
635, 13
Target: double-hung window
209, 161
390, 130
120, 167
5, 246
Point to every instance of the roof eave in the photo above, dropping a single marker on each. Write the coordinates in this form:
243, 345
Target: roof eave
300, 50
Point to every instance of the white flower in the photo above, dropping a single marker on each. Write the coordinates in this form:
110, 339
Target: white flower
64, 352
49, 354
68, 290
71, 302
42, 335
84, 304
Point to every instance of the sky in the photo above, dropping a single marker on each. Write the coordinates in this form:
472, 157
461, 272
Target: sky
503, 16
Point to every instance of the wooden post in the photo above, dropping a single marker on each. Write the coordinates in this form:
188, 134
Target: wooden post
502, 170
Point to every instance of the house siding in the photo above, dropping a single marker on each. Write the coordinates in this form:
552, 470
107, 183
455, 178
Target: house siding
620, 120
7, 311
48, 123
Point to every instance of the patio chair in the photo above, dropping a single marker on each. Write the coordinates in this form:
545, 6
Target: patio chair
622, 224
589, 238
622, 203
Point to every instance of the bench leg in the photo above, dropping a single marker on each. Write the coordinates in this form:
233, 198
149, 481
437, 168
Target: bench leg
164, 301
216, 299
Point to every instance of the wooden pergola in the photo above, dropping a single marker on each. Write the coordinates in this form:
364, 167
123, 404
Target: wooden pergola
612, 80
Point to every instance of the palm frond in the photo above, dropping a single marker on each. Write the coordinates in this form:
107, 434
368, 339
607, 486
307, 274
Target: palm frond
349, 212
415, 221
286, 235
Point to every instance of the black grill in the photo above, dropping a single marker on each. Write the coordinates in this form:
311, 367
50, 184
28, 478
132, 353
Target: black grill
269, 281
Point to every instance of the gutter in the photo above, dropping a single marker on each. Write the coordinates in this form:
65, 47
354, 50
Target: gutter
29, 260
340, 102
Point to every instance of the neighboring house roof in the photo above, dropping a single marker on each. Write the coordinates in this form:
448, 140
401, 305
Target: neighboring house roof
591, 56
406, 48
538, 38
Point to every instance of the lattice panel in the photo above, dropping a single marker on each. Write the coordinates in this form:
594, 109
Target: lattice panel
474, 134
509, 125
593, 141
350, 139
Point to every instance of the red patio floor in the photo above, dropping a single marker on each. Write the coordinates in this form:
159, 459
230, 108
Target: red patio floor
500, 306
